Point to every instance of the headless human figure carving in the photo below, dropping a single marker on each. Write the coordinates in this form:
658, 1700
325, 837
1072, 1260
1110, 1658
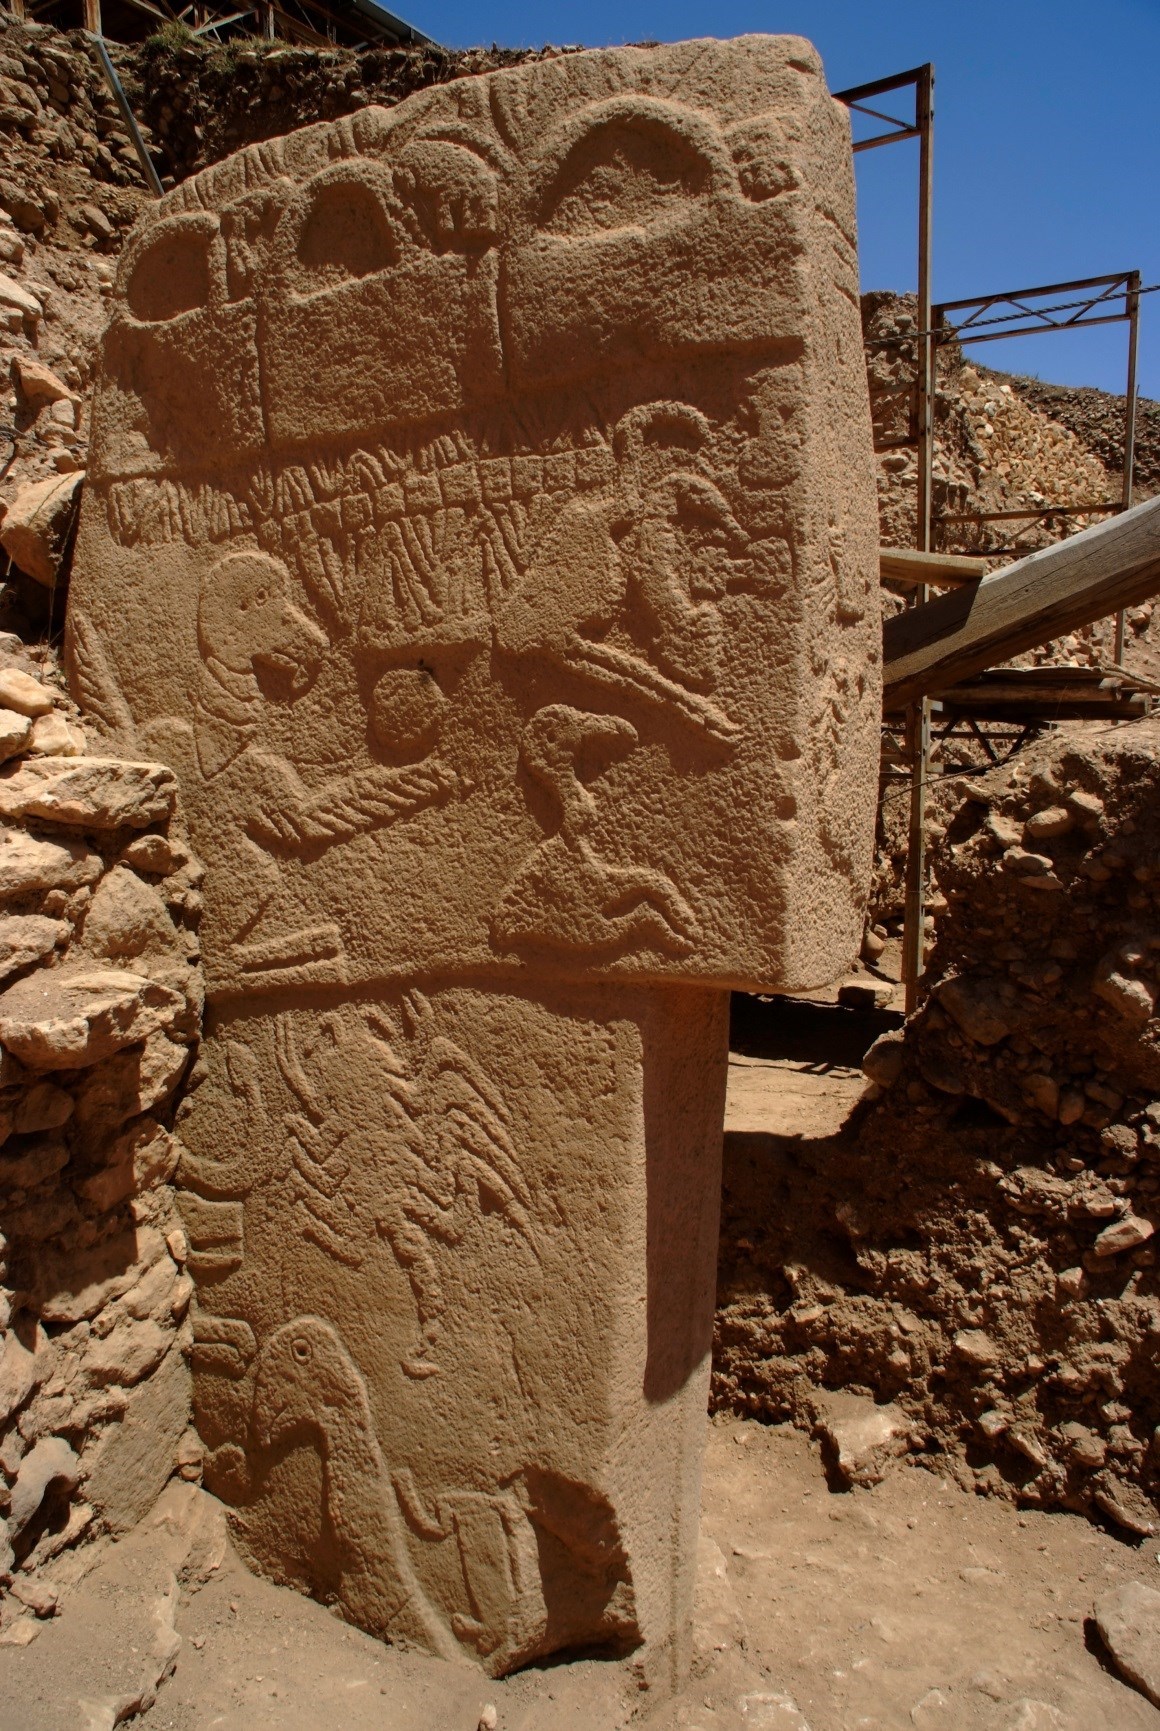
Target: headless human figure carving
565, 896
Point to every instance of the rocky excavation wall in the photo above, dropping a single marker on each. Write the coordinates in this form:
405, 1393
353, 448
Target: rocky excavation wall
978, 1246
840, 1284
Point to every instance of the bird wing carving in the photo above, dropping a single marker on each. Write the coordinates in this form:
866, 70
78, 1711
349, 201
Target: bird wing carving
94, 683
454, 1099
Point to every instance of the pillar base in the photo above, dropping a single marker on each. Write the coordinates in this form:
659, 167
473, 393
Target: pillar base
456, 1286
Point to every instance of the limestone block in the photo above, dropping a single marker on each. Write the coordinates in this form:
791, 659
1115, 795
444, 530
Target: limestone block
49, 1461
132, 1081
127, 1354
17, 298
37, 385
18, 1374
447, 1363
14, 733
35, 529
21, 692
1128, 1619
127, 918
520, 667
152, 853
140, 1157
100, 793
28, 864
75, 1287
70, 1017
56, 736
43, 1107
28, 938
33, 1165
859, 1438
555, 606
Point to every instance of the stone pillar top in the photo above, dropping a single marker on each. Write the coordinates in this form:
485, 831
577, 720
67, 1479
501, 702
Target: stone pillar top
481, 519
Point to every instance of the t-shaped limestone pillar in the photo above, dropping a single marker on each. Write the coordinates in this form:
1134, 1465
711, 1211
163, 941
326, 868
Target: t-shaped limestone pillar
481, 519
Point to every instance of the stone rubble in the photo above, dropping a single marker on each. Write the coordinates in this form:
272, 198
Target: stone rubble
859, 1438
133, 1586
38, 524
978, 1246
1128, 1619
100, 1008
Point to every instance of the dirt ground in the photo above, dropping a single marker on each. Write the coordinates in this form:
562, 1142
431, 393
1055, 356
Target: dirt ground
911, 1604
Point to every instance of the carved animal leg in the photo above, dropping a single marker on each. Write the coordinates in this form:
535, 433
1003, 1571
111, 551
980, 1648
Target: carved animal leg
410, 1247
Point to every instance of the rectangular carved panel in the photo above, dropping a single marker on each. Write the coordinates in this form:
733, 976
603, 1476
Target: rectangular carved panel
458, 1378
482, 521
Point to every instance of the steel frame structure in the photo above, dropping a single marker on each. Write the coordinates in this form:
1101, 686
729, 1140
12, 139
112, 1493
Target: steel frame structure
1094, 299
919, 80
1019, 315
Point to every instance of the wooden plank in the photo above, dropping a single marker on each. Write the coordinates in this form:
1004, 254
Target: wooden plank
904, 565
973, 691
1098, 707
1114, 565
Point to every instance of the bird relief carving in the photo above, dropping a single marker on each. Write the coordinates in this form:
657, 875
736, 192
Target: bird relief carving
305, 1379
565, 896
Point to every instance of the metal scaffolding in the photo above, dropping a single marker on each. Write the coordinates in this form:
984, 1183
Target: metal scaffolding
1098, 300
988, 318
920, 81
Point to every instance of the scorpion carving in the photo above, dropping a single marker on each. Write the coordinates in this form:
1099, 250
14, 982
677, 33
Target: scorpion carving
436, 1152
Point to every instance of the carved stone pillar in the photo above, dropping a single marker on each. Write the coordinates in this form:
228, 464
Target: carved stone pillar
481, 519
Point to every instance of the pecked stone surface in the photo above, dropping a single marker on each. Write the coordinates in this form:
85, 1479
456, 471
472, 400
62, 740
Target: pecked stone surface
520, 674
566, 575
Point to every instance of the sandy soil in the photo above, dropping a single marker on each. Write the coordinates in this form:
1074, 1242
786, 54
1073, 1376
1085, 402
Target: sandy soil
911, 1604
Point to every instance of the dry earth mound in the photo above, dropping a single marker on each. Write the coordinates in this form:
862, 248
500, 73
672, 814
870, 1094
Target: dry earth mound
977, 1246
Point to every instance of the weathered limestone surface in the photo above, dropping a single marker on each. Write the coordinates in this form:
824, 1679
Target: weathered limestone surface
481, 521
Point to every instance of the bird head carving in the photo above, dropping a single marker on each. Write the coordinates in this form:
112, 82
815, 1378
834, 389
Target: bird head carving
304, 1376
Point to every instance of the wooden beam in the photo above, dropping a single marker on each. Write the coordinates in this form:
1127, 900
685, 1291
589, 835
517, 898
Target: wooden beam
1114, 565
904, 565
92, 16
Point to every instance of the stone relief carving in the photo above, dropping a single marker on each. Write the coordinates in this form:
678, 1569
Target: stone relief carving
531, 478
306, 1378
306, 1381
564, 896
437, 1146
500, 466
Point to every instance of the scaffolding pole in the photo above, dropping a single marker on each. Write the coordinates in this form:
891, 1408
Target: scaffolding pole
1133, 311
918, 717
859, 100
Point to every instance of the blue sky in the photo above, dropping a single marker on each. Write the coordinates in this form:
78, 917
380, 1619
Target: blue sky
1047, 137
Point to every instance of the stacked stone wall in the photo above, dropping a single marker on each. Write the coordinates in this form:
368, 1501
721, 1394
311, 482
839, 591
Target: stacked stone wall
100, 1013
